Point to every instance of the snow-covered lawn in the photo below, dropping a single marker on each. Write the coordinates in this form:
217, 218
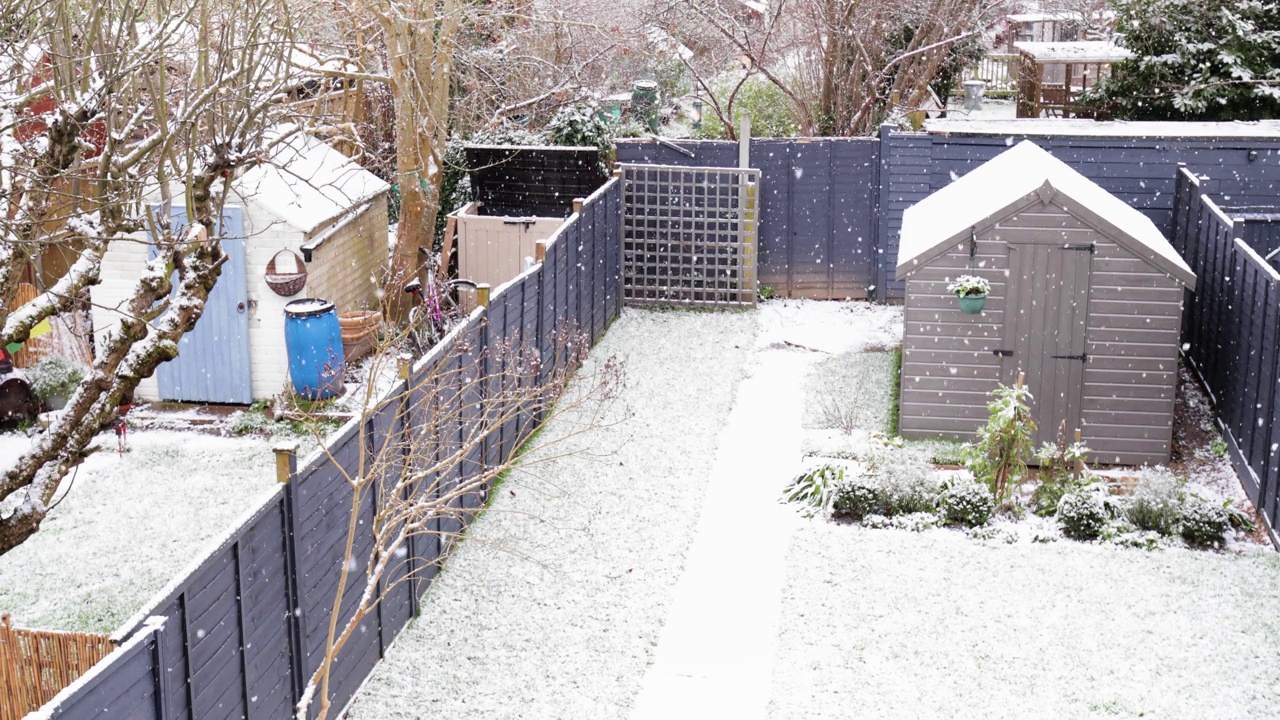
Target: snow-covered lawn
552, 605
896, 624
128, 525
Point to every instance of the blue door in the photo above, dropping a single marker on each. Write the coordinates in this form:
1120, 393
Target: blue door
213, 359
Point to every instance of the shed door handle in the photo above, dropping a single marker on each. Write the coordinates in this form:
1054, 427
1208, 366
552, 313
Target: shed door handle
1002, 353
240, 307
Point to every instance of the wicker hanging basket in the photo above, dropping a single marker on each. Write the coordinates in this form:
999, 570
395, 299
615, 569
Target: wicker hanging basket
286, 278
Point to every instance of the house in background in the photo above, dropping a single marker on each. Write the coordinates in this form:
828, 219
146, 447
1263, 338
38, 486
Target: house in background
1085, 304
311, 223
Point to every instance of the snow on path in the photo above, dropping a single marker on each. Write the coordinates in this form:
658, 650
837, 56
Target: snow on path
715, 654
129, 524
552, 605
890, 623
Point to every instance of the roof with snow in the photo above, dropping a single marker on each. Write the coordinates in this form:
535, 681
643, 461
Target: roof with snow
1007, 183
1095, 51
307, 183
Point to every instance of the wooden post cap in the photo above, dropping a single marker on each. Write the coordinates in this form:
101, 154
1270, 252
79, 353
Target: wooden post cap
482, 294
540, 251
286, 460
403, 363
577, 204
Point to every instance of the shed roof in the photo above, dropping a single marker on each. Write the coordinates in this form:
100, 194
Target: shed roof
307, 183
1008, 181
1065, 52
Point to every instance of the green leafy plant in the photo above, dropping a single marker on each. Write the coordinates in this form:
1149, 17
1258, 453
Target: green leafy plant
969, 286
814, 488
771, 111
1218, 447
1061, 471
997, 458
764, 292
858, 497
54, 376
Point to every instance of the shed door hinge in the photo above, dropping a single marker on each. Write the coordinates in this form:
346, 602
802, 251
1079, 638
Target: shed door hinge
1081, 358
1002, 353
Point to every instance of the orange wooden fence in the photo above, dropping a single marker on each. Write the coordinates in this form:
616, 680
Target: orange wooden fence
36, 664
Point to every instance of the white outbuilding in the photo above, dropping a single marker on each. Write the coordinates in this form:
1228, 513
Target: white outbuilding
311, 223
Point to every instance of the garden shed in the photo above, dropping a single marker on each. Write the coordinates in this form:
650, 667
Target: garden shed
1085, 301
310, 223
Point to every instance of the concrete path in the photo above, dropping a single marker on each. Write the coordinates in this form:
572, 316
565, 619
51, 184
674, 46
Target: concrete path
715, 653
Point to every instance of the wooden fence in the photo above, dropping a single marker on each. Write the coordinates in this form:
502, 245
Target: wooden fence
1231, 336
36, 664
240, 633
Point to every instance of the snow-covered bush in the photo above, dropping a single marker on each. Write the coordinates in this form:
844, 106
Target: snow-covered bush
857, 497
890, 485
1158, 501
1059, 463
965, 502
969, 285
1083, 514
582, 125
54, 376
1204, 522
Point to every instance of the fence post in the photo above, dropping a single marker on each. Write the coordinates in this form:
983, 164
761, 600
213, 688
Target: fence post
286, 469
482, 294
540, 251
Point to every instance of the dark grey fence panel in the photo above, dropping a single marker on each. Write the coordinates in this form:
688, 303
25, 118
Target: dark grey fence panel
1231, 335
817, 222
248, 625
125, 685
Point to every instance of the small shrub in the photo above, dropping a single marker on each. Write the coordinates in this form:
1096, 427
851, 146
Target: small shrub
858, 498
55, 376
967, 503
909, 484
1204, 523
814, 488
1157, 502
1218, 447
1082, 514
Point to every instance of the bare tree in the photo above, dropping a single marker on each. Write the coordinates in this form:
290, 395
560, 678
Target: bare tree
106, 108
428, 480
845, 65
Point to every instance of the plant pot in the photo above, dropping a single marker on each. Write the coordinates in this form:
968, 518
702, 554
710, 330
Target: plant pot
971, 304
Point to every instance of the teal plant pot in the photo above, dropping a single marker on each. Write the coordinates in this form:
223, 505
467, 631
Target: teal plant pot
972, 304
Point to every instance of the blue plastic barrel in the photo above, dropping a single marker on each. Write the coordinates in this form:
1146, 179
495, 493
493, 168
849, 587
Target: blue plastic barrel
313, 340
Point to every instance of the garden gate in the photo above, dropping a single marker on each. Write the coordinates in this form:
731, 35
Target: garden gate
689, 235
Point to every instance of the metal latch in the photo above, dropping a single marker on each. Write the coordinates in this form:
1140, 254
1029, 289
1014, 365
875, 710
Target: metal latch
1091, 247
1081, 358
1002, 353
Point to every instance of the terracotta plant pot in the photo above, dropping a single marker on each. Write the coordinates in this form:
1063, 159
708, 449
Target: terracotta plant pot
359, 332
972, 304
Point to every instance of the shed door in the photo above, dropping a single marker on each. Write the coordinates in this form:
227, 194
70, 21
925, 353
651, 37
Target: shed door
1045, 323
213, 359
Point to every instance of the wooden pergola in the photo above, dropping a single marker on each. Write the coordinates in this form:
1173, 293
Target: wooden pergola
1051, 75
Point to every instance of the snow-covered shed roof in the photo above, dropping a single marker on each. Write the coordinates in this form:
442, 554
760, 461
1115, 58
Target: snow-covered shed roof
1007, 182
1092, 51
307, 183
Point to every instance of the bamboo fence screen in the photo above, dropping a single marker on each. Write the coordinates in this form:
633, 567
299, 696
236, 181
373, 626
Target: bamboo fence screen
36, 664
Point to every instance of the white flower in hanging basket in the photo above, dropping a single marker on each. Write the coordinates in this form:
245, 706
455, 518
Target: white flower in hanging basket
969, 286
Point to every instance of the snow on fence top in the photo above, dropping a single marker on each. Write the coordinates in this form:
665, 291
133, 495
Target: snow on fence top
1053, 127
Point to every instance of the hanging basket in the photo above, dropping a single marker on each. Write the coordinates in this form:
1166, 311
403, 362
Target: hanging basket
972, 304
286, 274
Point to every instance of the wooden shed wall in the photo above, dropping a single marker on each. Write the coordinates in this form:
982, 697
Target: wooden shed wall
949, 367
